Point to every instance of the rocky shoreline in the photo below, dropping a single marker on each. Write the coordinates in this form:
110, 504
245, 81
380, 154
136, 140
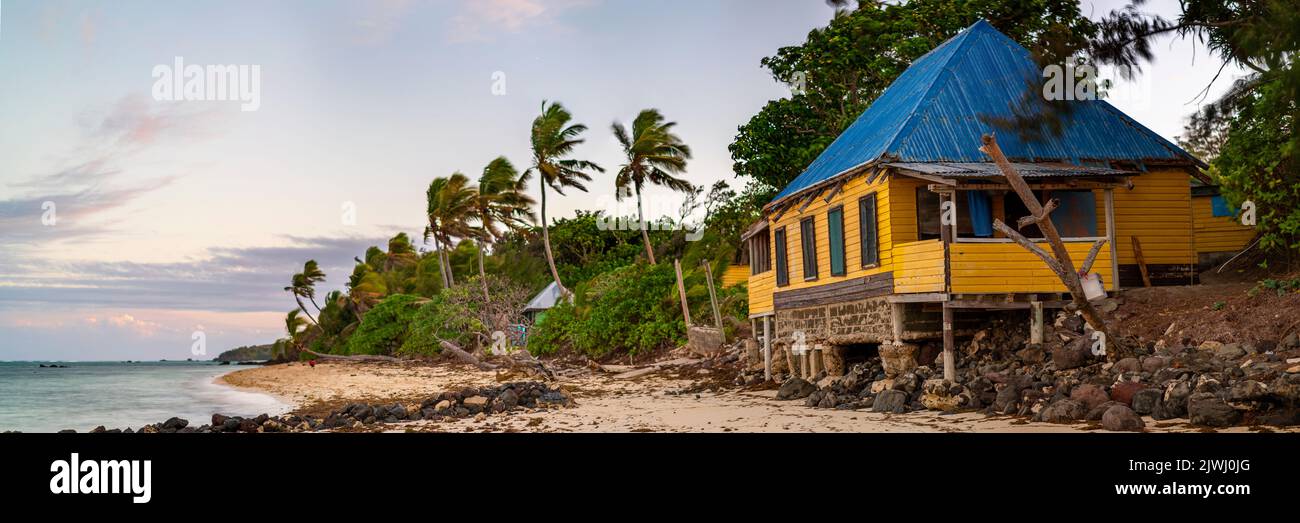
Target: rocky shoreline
1210, 384
470, 402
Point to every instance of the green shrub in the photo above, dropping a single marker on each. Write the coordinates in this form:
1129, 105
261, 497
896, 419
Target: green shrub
451, 315
384, 328
630, 309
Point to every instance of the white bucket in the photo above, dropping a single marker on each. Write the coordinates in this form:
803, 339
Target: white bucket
1092, 287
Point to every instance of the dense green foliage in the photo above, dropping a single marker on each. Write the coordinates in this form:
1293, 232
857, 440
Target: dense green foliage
841, 68
1249, 133
629, 310
384, 328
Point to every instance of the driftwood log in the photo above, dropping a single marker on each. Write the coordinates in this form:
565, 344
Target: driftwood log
1059, 261
359, 357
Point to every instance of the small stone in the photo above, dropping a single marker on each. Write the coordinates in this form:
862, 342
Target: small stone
1144, 401
795, 388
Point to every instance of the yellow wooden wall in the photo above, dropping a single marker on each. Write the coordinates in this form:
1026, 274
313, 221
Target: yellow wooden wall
1217, 233
735, 274
918, 266
1007, 267
1158, 210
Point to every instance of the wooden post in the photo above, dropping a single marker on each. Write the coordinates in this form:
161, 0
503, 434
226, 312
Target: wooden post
897, 318
713, 301
1036, 322
1142, 263
681, 291
1110, 237
949, 361
767, 348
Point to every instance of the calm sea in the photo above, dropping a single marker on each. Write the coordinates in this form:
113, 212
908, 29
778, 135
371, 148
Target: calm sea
119, 395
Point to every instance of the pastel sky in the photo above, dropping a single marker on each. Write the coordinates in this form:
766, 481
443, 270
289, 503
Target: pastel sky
173, 217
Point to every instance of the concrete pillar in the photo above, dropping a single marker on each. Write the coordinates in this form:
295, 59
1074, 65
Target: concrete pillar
1036, 322
949, 359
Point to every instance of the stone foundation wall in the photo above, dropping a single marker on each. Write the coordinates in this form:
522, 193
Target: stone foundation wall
858, 321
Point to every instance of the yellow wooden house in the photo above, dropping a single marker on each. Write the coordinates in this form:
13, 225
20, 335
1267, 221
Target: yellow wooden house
857, 250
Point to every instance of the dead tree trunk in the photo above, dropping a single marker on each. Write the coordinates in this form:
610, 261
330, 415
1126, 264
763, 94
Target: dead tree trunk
359, 357
1059, 261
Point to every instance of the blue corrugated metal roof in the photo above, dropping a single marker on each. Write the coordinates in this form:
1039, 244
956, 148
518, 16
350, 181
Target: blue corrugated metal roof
937, 110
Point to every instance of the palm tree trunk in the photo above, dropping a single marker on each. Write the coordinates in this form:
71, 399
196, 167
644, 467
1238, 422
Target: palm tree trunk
313, 303
546, 242
645, 236
298, 299
482, 275
451, 277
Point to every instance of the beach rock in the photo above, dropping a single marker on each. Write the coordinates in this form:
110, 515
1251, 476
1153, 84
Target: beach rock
476, 404
98, 430
1208, 410
175, 424
1097, 412
1127, 365
1247, 390
1089, 395
828, 401
1031, 354
361, 411
890, 401
507, 400
1063, 411
1145, 400
1071, 356
1230, 351
230, 425
1153, 364
1122, 418
1123, 391
1284, 417
66, 431
1209, 346
218, 420
795, 388
897, 358
248, 425
1174, 402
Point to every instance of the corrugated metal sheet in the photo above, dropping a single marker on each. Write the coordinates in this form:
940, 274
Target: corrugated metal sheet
1027, 170
937, 110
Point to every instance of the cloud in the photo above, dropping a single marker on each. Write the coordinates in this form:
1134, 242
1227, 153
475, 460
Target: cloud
482, 20
90, 181
380, 19
225, 279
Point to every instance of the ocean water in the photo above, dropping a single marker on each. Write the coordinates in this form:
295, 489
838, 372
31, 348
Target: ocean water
119, 395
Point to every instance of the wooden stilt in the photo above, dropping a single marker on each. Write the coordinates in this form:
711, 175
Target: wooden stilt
1036, 322
767, 348
949, 361
681, 291
897, 317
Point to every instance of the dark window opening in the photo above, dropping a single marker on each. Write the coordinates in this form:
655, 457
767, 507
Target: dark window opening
760, 252
782, 274
928, 225
835, 235
867, 220
808, 244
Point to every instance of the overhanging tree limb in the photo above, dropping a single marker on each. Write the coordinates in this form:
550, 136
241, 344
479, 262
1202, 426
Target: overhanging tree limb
1065, 267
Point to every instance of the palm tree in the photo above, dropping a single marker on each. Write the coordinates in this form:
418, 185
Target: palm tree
400, 253
654, 155
501, 200
450, 207
553, 140
294, 326
303, 285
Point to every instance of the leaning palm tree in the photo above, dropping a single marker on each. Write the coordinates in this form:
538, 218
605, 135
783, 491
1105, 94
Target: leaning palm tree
303, 285
553, 140
654, 154
450, 208
501, 200
294, 326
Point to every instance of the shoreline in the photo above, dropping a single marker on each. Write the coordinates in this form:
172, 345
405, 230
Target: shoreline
660, 402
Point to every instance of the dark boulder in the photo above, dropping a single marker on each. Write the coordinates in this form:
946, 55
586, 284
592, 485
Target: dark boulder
891, 401
1145, 401
1097, 412
1063, 411
1089, 395
1123, 391
1121, 418
794, 389
1072, 355
1208, 410
174, 424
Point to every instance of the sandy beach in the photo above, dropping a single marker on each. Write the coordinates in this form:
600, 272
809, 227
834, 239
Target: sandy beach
659, 402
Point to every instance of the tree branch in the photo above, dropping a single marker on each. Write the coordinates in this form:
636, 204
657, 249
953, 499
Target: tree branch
1092, 256
1026, 221
1029, 245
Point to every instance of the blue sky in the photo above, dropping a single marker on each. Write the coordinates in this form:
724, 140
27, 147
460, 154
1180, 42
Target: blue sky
174, 217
